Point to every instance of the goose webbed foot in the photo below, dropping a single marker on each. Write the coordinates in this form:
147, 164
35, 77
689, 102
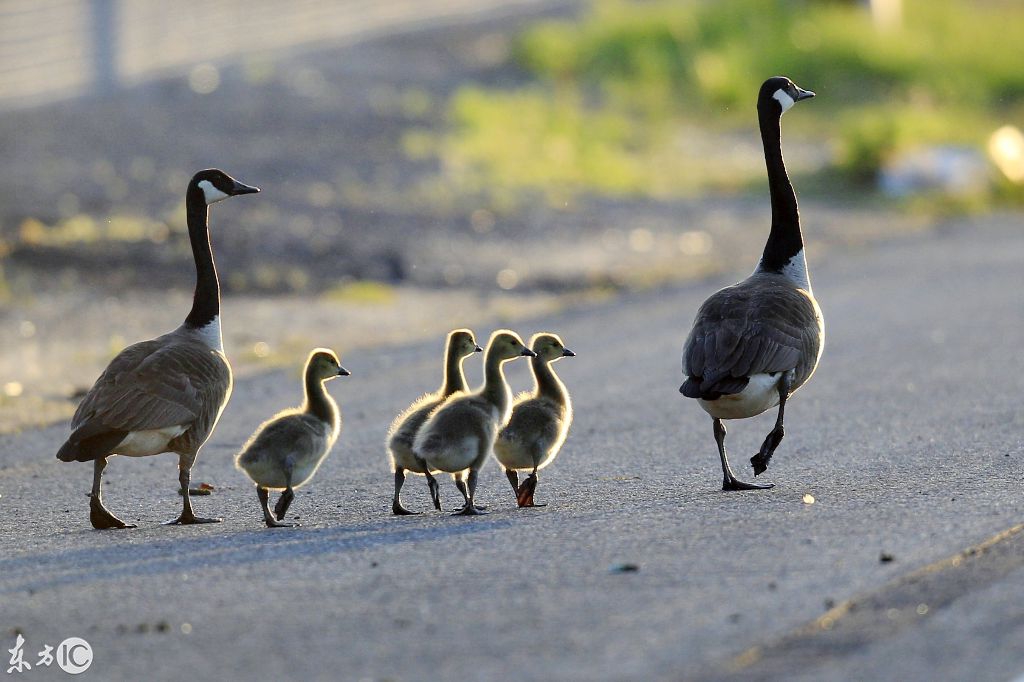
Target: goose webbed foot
398, 510
736, 484
283, 502
524, 496
761, 459
101, 518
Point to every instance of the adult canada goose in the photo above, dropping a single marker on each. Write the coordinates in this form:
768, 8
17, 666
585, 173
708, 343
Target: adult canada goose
539, 423
755, 343
459, 346
460, 433
288, 448
166, 394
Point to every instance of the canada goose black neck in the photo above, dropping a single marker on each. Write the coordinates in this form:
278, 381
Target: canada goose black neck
548, 383
785, 242
318, 403
454, 378
206, 299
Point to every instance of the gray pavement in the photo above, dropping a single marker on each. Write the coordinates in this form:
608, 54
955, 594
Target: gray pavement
909, 438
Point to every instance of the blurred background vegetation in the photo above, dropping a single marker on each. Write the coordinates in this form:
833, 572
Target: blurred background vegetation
617, 100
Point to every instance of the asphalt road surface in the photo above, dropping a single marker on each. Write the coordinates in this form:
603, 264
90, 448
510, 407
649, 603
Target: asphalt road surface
909, 438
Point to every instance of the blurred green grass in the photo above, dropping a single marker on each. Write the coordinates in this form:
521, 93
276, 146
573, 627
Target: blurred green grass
610, 92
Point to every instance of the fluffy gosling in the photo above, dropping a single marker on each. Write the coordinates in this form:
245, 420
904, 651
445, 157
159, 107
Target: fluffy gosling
540, 421
459, 346
287, 449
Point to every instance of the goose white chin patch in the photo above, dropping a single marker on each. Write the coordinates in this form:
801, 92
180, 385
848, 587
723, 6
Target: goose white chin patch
213, 195
784, 99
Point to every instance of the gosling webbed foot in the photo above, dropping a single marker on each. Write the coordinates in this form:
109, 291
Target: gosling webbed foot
736, 484
274, 523
101, 518
524, 496
470, 510
190, 519
398, 510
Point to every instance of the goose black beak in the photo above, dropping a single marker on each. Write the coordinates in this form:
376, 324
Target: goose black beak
342, 372
478, 349
528, 353
803, 94
566, 353
242, 188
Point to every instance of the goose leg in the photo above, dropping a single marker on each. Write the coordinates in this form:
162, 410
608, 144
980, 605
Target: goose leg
470, 509
460, 483
729, 480
187, 517
100, 516
396, 504
761, 459
268, 517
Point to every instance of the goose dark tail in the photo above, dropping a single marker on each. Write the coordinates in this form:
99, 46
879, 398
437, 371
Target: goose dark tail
78, 449
697, 387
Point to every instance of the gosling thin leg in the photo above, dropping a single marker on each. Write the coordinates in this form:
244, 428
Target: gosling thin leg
396, 504
470, 509
729, 480
100, 516
435, 489
524, 496
460, 483
264, 495
513, 477
761, 459
283, 502
187, 517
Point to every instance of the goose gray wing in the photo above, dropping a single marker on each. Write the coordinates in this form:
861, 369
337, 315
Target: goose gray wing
761, 325
157, 384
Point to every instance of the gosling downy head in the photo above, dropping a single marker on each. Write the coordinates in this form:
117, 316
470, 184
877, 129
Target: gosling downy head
216, 185
505, 345
323, 364
781, 94
463, 343
549, 347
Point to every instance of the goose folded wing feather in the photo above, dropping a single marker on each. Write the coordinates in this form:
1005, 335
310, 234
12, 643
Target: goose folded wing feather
150, 390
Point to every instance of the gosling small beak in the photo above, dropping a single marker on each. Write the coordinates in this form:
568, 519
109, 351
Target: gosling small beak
242, 188
528, 353
566, 353
342, 372
478, 349
803, 94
